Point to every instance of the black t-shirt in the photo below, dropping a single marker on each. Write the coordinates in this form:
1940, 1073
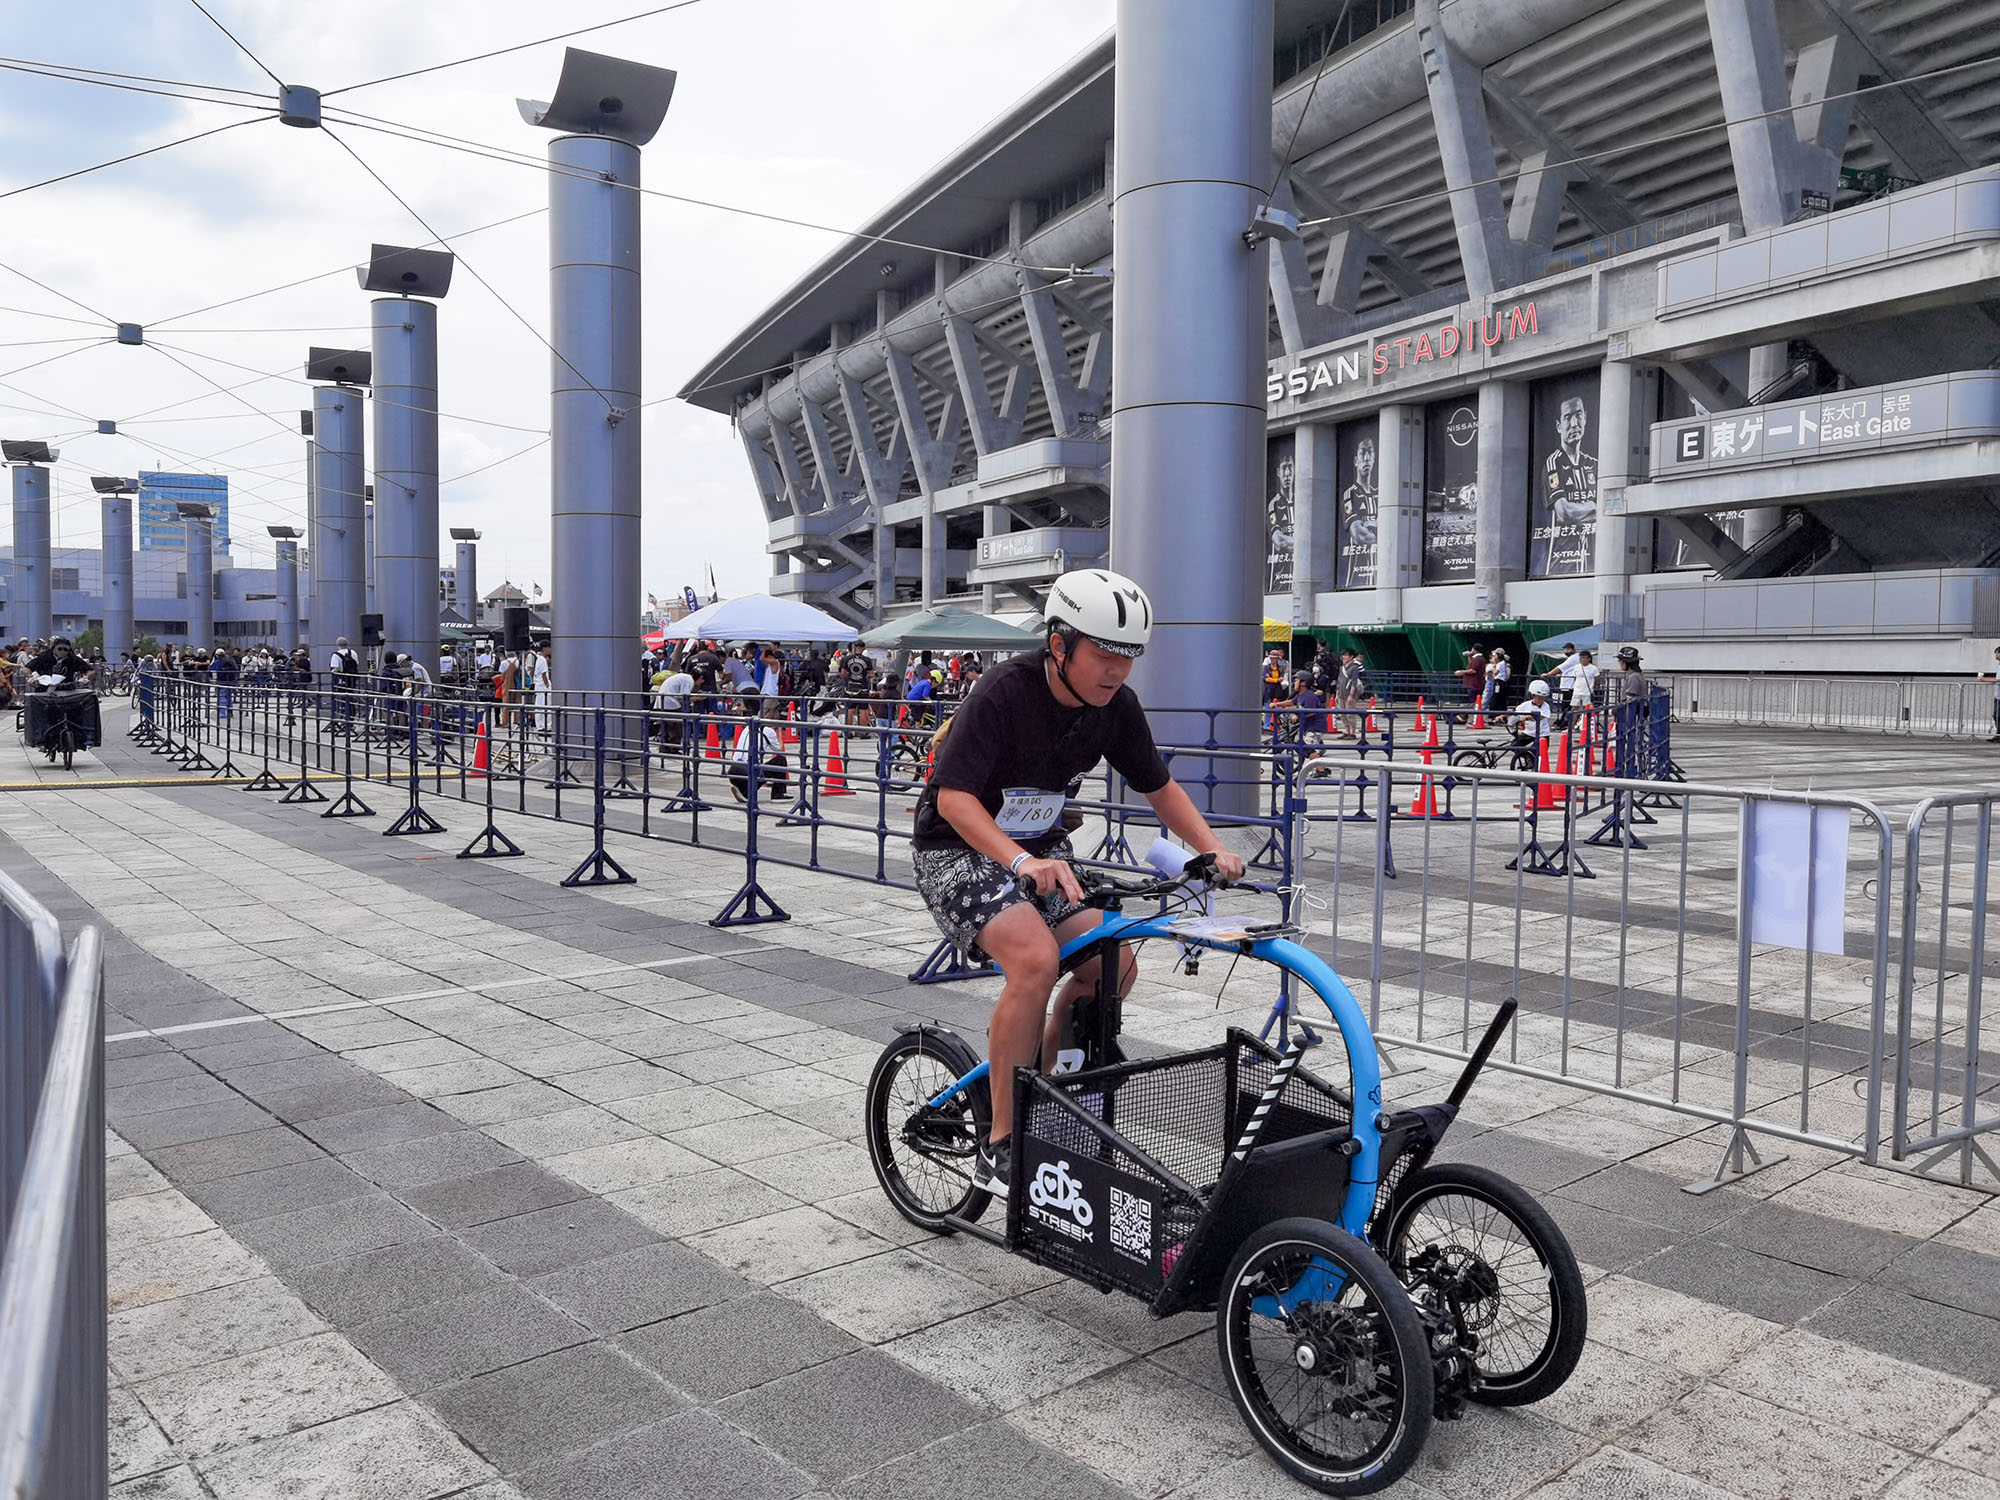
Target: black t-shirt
858, 671
1011, 732
69, 668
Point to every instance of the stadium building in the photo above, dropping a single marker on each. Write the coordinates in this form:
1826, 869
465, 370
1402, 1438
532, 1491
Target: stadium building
1669, 318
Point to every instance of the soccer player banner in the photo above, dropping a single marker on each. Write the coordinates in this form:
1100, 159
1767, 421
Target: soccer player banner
1562, 476
1451, 489
1280, 471
1354, 458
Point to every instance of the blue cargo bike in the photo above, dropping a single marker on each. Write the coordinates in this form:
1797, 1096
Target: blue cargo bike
1360, 1289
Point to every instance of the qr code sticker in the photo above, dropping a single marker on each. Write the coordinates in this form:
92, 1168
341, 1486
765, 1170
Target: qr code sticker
1131, 1225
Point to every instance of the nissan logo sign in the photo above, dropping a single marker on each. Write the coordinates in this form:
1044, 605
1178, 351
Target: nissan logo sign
1462, 426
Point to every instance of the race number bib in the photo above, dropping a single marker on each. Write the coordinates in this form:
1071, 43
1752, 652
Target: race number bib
1027, 812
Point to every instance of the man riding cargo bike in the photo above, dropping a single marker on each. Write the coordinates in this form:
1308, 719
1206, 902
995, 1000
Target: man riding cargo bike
1360, 1289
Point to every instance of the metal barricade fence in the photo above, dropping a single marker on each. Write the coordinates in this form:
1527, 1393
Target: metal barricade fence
53, 1439
1611, 906
1730, 968
1947, 1078
1954, 707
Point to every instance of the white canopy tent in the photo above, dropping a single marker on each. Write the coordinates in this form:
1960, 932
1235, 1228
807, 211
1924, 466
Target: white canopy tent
758, 617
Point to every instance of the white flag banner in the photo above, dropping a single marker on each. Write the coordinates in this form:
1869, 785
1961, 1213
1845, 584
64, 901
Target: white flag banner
1778, 840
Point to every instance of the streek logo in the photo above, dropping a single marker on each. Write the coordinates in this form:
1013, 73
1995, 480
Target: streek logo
1054, 1192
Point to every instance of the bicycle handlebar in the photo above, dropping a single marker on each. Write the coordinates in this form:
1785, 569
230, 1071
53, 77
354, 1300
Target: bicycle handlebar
1099, 886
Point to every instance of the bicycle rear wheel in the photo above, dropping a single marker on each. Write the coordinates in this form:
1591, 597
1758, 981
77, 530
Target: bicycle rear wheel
924, 1155
1490, 1257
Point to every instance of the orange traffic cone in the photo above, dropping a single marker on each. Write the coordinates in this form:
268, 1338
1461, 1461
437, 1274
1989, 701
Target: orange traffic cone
1419, 726
479, 749
1371, 713
713, 749
1545, 795
835, 783
1479, 719
1424, 804
1431, 738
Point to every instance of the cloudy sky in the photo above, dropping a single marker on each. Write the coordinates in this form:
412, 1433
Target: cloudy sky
819, 109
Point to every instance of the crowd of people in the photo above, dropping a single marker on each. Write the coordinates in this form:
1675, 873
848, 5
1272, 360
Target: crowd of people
1329, 699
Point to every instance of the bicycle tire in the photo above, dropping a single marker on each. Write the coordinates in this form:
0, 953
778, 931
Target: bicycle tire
1548, 1344
1366, 1336
911, 1070
68, 747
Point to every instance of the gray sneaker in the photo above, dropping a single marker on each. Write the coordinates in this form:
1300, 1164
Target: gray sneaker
994, 1166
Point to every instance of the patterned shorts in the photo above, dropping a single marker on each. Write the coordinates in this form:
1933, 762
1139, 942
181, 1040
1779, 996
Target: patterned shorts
965, 890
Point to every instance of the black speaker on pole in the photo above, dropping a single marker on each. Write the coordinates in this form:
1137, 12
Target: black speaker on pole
514, 628
371, 631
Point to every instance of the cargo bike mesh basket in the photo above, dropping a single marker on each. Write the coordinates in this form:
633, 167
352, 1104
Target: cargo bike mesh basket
1115, 1169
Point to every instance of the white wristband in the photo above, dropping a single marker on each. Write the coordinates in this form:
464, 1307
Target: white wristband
1020, 859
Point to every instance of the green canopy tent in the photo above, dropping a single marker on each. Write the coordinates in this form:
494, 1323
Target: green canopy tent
950, 630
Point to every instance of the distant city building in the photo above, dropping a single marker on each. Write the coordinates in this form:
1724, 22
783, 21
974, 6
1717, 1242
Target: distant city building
160, 525
246, 602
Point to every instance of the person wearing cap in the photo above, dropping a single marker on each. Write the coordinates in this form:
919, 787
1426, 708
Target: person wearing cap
1499, 671
1564, 676
60, 660
1349, 687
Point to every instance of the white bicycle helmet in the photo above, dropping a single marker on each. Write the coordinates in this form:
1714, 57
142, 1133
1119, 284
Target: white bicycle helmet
1106, 608
1539, 689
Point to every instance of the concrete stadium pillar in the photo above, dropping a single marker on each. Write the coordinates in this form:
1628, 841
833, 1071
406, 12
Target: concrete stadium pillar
117, 531
1314, 496
368, 591
288, 595
338, 536
1625, 395
1500, 542
406, 475
1193, 126
1399, 507
198, 559
31, 610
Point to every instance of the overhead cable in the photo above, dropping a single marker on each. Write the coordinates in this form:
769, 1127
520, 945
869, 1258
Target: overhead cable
238, 41
350, 266
424, 136
267, 106
128, 156
561, 36
471, 269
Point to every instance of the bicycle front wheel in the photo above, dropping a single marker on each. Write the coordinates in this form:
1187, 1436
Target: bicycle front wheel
923, 1155
1325, 1357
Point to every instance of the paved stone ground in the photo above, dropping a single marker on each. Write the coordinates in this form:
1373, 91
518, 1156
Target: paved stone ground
432, 1178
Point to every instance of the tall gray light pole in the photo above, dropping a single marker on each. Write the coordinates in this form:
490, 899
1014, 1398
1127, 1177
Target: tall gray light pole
30, 588
606, 109
117, 555
338, 539
198, 558
1192, 123
465, 574
406, 444
286, 538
